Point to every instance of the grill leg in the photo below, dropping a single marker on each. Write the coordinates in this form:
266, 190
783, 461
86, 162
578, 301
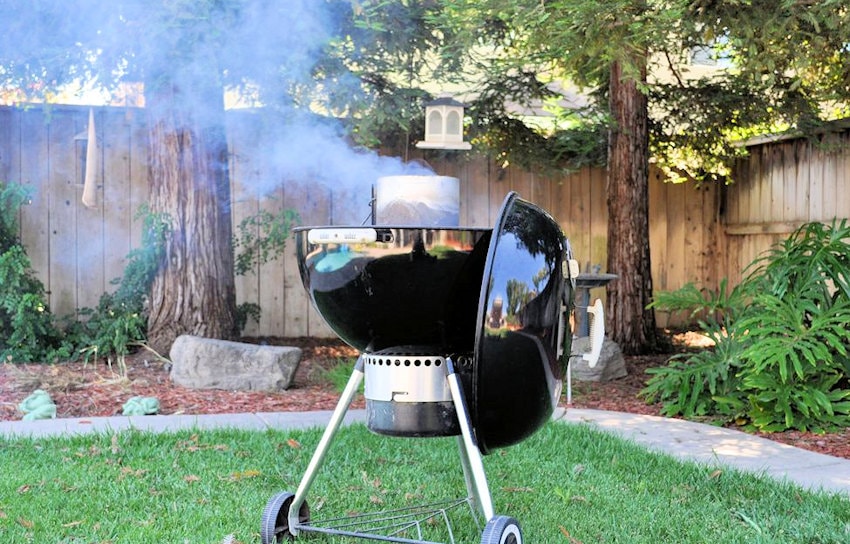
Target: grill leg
324, 444
470, 455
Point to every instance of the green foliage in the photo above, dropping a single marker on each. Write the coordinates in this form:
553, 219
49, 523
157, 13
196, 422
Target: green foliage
30, 333
799, 331
259, 239
783, 340
262, 237
27, 330
339, 373
12, 196
703, 383
246, 311
143, 262
780, 66
120, 320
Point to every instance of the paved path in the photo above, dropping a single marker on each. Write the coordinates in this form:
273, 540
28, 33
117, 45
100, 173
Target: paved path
683, 439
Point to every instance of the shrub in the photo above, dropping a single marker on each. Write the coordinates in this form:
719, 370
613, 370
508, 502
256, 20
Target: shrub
781, 360
799, 332
120, 320
706, 383
30, 333
27, 330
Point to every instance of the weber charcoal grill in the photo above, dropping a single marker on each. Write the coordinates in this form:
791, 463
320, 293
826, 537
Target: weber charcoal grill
461, 331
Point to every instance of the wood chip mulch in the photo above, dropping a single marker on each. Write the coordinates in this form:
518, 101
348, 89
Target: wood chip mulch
92, 390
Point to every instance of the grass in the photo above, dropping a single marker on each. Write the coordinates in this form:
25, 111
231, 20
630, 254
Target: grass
339, 373
567, 483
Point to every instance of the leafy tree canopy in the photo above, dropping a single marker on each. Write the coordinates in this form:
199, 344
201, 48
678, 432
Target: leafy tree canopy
786, 66
374, 63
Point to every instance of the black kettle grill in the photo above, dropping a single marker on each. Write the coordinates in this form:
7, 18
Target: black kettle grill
462, 332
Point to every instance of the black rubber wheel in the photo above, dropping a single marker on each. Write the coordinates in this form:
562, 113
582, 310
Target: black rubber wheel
502, 530
275, 524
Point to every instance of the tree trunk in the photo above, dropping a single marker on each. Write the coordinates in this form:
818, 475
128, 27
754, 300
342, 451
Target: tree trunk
193, 291
630, 324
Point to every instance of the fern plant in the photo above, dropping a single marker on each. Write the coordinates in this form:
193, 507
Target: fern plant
783, 360
799, 329
702, 384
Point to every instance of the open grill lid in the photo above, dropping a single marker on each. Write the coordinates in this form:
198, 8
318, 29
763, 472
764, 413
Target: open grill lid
522, 339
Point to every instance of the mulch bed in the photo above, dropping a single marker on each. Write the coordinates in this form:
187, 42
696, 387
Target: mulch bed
92, 390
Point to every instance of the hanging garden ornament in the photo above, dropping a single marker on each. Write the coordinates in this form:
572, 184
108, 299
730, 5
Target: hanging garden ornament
444, 125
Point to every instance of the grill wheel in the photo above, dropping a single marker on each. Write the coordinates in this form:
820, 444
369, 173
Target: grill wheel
502, 530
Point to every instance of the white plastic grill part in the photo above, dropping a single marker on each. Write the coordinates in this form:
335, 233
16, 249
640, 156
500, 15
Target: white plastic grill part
331, 235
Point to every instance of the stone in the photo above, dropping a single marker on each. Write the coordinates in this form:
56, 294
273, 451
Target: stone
611, 365
205, 363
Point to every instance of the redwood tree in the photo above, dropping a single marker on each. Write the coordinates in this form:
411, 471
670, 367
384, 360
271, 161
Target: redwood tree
630, 322
602, 47
194, 291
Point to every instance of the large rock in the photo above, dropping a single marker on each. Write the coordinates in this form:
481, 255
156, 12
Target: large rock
611, 364
204, 363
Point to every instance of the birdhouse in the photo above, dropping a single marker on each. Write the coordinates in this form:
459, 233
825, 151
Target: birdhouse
444, 125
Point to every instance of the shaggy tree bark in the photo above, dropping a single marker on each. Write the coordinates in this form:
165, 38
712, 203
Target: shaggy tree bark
630, 324
193, 291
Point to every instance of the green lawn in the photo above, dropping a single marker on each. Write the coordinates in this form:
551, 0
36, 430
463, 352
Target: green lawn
567, 484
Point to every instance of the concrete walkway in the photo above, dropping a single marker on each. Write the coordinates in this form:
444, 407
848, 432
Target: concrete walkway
682, 439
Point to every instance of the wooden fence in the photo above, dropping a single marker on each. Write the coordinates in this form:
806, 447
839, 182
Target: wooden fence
697, 234
781, 186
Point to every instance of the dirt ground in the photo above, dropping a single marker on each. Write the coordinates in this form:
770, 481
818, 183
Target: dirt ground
91, 390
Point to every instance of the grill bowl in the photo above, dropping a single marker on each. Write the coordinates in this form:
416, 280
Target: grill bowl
388, 286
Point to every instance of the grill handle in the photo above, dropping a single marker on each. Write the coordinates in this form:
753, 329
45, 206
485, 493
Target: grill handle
597, 333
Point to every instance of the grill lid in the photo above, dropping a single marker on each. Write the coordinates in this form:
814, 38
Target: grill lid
521, 340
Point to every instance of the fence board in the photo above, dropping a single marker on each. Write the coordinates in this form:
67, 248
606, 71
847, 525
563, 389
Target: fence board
475, 196
521, 183
65, 191
87, 242
139, 172
10, 150
676, 235
816, 184
6, 138
117, 219
35, 220
714, 245
695, 237
302, 318
777, 181
272, 278
830, 183
842, 208
245, 204
599, 218
788, 158
576, 212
